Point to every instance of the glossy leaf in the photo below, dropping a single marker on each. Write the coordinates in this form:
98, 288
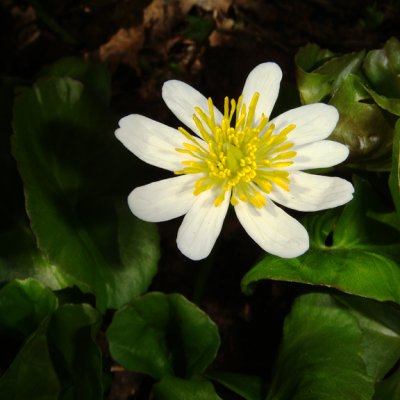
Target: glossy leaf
380, 326
32, 375
320, 73
362, 126
23, 306
320, 354
247, 386
163, 335
394, 178
388, 104
77, 359
63, 157
362, 259
382, 68
172, 388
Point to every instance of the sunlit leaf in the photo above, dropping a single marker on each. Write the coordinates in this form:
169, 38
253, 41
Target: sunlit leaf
163, 335
172, 388
363, 258
320, 354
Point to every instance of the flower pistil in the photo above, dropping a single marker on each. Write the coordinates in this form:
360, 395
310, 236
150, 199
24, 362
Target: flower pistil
245, 159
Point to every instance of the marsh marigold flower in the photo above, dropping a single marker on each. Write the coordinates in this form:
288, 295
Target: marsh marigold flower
237, 157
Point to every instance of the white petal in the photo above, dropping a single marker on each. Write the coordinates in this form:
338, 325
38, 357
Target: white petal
321, 154
313, 122
163, 200
264, 79
201, 226
313, 192
273, 230
152, 141
182, 99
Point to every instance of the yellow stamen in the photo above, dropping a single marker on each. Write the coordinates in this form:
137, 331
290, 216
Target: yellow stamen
246, 160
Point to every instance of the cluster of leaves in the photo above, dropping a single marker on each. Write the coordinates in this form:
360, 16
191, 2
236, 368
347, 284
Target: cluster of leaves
365, 88
340, 340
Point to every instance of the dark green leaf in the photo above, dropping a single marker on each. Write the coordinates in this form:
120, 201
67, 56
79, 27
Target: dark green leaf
31, 375
247, 386
361, 260
362, 126
382, 68
198, 28
171, 388
163, 335
94, 76
63, 155
20, 258
320, 354
320, 73
380, 327
23, 306
394, 178
389, 389
76, 357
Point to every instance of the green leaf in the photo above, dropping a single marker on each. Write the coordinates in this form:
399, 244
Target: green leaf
77, 359
362, 260
20, 258
389, 389
320, 73
382, 68
163, 335
380, 326
311, 56
23, 306
172, 388
362, 126
247, 386
94, 76
394, 178
66, 161
388, 104
320, 354
361, 272
198, 28
31, 375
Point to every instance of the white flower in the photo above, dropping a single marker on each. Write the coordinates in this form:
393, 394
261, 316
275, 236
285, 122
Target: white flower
237, 157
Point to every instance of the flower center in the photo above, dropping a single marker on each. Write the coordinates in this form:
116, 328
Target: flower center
243, 156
